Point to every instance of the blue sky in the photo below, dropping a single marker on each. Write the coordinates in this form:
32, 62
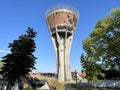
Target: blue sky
17, 15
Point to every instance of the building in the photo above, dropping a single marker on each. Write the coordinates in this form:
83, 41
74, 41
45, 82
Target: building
62, 21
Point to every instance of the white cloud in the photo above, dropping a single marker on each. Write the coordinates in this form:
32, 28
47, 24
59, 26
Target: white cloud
2, 51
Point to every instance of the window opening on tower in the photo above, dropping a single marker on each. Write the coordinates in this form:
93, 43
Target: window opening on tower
53, 29
61, 27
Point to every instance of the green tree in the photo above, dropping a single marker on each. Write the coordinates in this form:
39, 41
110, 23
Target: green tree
91, 69
106, 40
102, 48
21, 60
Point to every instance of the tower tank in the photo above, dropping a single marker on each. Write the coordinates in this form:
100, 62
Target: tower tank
62, 21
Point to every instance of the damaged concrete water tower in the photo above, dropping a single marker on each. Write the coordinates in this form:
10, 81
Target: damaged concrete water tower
62, 21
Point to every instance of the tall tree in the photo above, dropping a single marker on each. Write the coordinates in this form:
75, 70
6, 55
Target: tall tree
91, 69
106, 40
21, 60
103, 43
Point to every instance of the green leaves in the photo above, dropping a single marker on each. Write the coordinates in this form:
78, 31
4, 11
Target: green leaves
103, 45
21, 59
91, 68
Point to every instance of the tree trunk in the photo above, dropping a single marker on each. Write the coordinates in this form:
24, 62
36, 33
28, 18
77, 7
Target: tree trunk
94, 85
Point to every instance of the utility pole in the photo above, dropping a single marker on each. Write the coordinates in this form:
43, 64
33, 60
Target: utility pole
76, 76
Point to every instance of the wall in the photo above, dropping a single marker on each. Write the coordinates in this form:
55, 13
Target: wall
108, 83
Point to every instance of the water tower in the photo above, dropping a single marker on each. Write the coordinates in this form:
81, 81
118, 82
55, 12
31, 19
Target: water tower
62, 21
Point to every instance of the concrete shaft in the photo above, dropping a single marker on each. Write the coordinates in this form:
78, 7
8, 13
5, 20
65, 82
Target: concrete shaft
62, 24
